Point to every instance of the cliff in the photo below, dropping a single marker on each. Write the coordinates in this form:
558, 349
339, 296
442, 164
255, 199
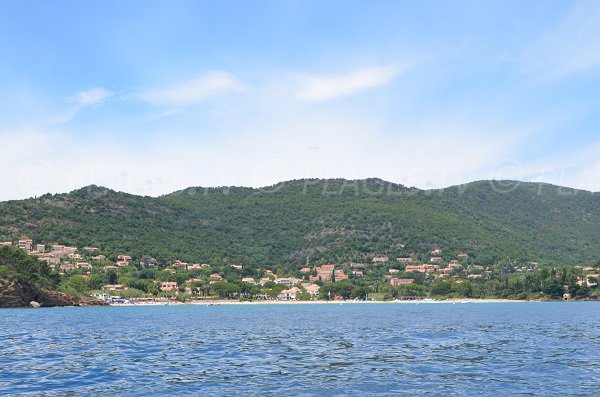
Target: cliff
15, 293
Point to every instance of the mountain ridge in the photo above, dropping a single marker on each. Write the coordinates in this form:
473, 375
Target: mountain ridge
302, 220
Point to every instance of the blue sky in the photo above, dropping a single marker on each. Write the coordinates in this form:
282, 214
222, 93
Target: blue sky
153, 96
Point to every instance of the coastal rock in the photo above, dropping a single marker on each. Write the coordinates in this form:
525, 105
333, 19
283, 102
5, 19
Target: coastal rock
15, 293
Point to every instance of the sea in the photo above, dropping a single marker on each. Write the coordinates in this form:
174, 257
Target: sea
370, 349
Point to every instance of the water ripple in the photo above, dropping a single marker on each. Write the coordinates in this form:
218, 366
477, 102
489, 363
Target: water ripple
525, 349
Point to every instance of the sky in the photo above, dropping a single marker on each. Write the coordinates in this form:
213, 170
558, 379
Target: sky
149, 97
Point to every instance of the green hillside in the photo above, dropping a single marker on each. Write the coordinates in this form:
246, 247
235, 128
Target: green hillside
320, 220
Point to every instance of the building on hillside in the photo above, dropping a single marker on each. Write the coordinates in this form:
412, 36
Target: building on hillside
415, 268
380, 259
84, 265
289, 294
194, 266
25, 244
305, 270
401, 281
114, 287
69, 250
287, 281
312, 290
168, 286
67, 267
249, 280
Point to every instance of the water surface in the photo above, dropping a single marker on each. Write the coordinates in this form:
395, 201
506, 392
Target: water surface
473, 349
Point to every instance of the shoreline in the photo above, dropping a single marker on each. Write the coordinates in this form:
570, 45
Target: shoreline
219, 302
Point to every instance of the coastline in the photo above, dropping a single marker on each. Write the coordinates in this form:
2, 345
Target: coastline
219, 302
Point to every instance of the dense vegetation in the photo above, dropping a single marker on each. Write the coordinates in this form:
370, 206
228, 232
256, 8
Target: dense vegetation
16, 264
292, 223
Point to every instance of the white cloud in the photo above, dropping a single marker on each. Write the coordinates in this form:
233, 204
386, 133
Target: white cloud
316, 88
289, 147
580, 169
195, 90
93, 96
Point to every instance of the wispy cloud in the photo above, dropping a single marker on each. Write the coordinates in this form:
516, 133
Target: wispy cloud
93, 96
317, 88
193, 91
82, 99
572, 46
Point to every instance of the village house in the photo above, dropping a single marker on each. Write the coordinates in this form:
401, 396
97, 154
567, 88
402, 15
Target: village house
289, 294
110, 268
69, 250
84, 265
462, 255
358, 273
40, 248
216, 276
6, 243
415, 268
91, 249
305, 270
168, 286
25, 244
435, 259
49, 259
180, 265
401, 281
312, 290
380, 259
194, 266
114, 287
58, 249
249, 280
99, 258
436, 251
67, 267
394, 271
404, 260
324, 273
287, 281
237, 267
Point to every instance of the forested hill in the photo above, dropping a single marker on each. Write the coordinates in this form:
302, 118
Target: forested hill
288, 224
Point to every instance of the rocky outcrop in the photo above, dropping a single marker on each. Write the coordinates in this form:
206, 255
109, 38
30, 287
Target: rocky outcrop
15, 293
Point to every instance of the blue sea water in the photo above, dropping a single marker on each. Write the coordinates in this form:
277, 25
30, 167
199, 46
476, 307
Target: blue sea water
473, 349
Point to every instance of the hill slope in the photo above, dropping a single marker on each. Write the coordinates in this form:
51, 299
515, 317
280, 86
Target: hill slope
308, 220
